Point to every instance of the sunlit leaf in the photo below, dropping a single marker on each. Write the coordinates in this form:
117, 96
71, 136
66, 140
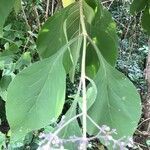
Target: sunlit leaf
38, 92
67, 2
117, 105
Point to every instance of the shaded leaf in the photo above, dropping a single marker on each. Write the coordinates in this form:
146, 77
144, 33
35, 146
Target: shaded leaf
4, 83
103, 33
146, 20
137, 6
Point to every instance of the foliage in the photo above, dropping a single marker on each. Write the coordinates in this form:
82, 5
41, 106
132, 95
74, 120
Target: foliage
145, 6
32, 104
38, 89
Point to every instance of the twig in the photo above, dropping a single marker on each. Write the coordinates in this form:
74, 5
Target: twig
83, 76
111, 4
25, 17
140, 145
143, 122
47, 9
52, 9
106, 2
37, 16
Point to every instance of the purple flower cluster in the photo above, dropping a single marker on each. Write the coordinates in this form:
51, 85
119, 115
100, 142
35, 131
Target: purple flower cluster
50, 140
105, 135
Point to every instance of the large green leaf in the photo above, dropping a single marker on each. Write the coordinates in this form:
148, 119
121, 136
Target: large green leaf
117, 104
5, 8
36, 96
146, 20
137, 6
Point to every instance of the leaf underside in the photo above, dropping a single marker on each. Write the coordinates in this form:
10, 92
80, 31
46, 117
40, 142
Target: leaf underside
117, 105
38, 94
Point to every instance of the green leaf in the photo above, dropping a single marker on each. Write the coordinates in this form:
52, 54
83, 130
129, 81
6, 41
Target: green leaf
38, 92
91, 95
71, 129
6, 56
146, 20
117, 105
137, 6
54, 33
61, 28
4, 83
17, 6
5, 8
103, 33
24, 60
75, 58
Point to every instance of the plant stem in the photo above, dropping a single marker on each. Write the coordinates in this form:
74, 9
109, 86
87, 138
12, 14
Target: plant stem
47, 9
52, 9
25, 17
37, 16
83, 75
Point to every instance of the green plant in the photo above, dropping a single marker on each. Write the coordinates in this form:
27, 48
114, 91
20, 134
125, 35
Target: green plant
87, 36
142, 5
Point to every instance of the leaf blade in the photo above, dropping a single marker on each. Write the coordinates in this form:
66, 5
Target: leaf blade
33, 90
117, 105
